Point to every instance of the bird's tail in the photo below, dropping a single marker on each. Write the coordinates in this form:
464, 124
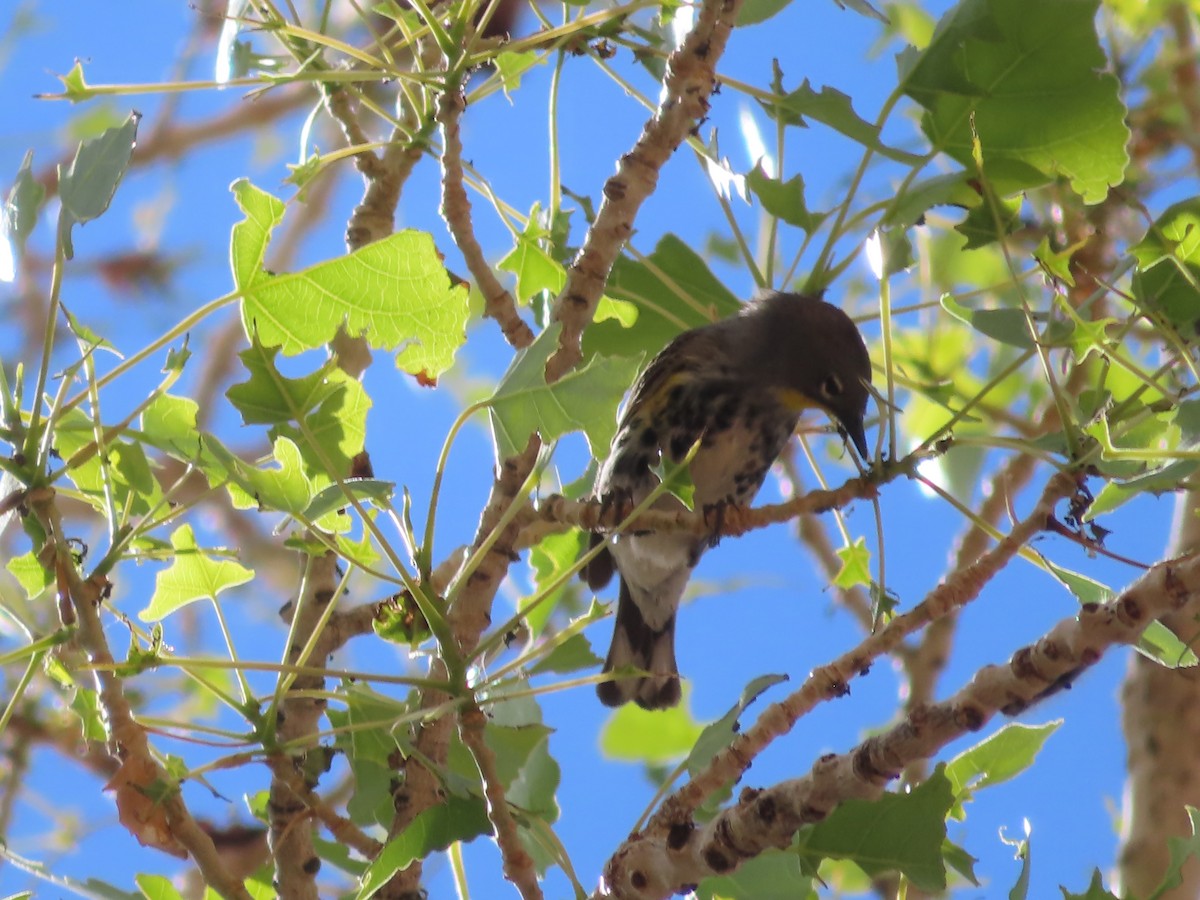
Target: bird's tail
637, 645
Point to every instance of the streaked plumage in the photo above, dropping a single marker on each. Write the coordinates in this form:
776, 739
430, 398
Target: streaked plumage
739, 384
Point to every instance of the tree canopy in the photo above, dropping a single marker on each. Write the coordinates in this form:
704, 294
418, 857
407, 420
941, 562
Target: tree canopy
320, 317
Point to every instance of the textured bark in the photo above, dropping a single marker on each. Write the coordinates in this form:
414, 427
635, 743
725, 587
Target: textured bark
1161, 721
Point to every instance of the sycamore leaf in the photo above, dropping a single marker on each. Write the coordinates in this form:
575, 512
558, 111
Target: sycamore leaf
633, 734
582, 400
772, 875
897, 832
833, 108
996, 759
720, 734
169, 423
1167, 279
1095, 890
856, 565
333, 497
1181, 850
784, 199
551, 559
1028, 81
86, 187
363, 732
268, 397
455, 819
672, 291
511, 65
331, 405
193, 575
536, 270
22, 206
395, 293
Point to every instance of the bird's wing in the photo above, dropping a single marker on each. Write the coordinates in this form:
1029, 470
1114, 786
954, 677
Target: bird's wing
677, 363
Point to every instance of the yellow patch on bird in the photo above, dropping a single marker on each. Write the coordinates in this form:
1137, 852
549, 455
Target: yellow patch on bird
796, 401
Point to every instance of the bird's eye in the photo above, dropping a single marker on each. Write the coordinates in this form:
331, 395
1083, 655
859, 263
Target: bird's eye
831, 386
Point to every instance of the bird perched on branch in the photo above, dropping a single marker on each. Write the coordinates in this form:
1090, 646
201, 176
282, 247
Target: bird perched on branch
738, 387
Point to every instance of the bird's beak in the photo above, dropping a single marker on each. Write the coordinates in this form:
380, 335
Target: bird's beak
854, 430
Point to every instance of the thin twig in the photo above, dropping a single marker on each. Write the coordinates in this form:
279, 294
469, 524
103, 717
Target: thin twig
518, 864
155, 816
456, 211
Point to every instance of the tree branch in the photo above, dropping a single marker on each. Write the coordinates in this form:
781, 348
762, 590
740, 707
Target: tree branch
658, 863
155, 815
456, 211
833, 680
690, 80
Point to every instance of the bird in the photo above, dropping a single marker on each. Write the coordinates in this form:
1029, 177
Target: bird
738, 387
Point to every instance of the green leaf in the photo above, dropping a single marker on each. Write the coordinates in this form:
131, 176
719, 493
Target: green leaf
833, 108
1187, 418
331, 405
86, 705
193, 575
456, 819
75, 86
718, 735
1095, 890
1055, 263
1020, 890
989, 222
283, 487
895, 250
773, 875
552, 558
395, 293
996, 759
674, 290
633, 734
511, 65
863, 8
156, 887
960, 861
169, 423
363, 731
86, 187
1086, 590
572, 655
909, 208
270, 398
1009, 326
755, 11
333, 497
856, 565
1168, 273
582, 400
30, 574
784, 199
1181, 851
897, 832
536, 270
676, 478
1161, 644
1029, 80
22, 206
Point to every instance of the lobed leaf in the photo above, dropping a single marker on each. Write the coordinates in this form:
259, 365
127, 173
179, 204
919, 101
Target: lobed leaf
394, 293
1025, 79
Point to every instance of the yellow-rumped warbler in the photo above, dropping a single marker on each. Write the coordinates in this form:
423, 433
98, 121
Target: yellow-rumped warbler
738, 386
